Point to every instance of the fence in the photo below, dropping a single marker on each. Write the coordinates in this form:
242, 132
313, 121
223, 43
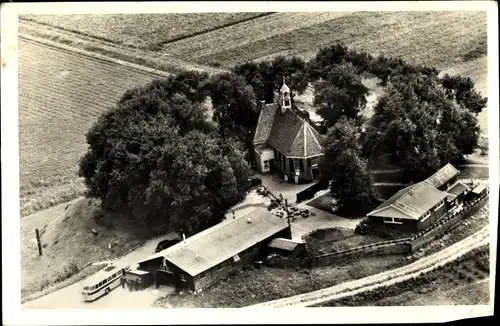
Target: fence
309, 192
392, 247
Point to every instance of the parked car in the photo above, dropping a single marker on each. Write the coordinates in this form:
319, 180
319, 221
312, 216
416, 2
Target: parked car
162, 245
255, 181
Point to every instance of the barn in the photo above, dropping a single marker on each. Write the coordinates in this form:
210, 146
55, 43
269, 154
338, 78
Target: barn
208, 256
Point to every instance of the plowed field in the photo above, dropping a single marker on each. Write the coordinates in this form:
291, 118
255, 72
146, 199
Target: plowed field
61, 94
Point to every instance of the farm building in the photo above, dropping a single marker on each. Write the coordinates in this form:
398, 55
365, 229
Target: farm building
418, 206
443, 178
413, 208
285, 141
457, 193
211, 254
287, 247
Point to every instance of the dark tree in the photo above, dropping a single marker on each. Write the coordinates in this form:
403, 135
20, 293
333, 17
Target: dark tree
344, 169
234, 104
266, 77
420, 126
341, 94
461, 89
151, 156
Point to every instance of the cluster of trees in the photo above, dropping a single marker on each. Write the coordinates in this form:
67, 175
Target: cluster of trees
158, 155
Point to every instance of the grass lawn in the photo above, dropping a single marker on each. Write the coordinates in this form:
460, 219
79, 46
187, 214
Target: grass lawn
330, 240
461, 282
68, 243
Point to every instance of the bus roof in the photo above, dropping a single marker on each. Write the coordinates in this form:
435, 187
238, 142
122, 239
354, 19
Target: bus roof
103, 274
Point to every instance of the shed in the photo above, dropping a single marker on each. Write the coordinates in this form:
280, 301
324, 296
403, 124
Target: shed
287, 247
143, 279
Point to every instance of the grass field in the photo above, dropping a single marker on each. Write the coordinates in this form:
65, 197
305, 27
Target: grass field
60, 95
464, 281
142, 30
68, 243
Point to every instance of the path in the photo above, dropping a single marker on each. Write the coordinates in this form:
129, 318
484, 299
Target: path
397, 275
70, 297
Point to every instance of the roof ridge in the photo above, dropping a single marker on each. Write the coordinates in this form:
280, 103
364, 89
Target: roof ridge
305, 138
314, 136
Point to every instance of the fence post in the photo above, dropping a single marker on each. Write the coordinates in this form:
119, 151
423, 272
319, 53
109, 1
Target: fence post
38, 242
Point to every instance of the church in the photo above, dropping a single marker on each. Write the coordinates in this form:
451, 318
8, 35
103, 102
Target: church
285, 141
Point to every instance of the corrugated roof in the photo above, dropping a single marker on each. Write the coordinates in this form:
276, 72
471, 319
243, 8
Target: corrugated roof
442, 176
222, 241
411, 202
457, 189
265, 123
284, 244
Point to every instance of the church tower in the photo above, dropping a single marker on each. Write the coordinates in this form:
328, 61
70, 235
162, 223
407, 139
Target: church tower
284, 99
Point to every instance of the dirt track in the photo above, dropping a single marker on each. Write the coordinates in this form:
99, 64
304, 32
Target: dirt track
382, 279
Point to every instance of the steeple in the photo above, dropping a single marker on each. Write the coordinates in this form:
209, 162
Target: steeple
284, 99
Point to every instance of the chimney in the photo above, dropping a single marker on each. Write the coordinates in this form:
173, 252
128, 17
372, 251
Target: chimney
263, 102
183, 238
249, 220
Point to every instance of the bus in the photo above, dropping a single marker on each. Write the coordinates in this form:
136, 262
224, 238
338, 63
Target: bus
103, 282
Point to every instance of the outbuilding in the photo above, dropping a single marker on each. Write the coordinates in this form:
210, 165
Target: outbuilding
287, 247
413, 208
210, 255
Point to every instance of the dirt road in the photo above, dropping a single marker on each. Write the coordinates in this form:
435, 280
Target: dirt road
70, 297
382, 279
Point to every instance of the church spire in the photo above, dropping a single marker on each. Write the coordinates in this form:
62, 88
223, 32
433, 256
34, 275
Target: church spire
284, 97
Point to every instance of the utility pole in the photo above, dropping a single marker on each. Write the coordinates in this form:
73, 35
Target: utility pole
38, 242
288, 218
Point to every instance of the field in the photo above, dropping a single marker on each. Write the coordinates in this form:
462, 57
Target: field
440, 39
142, 30
61, 94
461, 282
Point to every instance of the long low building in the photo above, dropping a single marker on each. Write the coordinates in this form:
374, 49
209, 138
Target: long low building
211, 254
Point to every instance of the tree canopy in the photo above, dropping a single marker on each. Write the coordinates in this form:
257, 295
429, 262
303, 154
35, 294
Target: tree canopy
234, 103
344, 168
341, 93
156, 155
420, 126
266, 77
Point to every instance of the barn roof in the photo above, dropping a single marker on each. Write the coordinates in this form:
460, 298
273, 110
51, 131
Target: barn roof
284, 244
443, 175
411, 202
222, 241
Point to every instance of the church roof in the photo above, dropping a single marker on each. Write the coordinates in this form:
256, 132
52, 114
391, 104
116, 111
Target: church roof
294, 136
265, 123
